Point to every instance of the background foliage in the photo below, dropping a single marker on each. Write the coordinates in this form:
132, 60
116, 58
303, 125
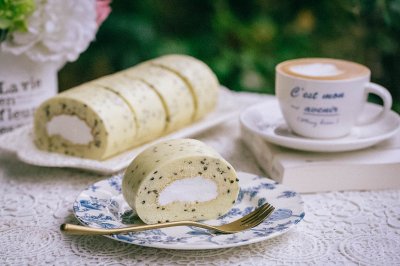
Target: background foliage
242, 41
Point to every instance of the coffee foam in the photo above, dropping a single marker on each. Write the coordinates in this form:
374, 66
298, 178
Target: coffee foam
323, 69
316, 70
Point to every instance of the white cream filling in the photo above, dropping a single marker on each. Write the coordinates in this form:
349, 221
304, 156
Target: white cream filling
190, 189
71, 128
316, 70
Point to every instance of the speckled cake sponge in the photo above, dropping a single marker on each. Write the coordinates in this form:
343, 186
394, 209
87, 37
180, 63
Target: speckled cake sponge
144, 103
181, 179
109, 119
200, 79
115, 113
174, 93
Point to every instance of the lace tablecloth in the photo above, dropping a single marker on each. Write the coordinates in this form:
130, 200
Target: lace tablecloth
340, 228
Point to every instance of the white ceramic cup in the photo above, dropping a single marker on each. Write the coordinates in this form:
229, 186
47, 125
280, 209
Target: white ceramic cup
323, 98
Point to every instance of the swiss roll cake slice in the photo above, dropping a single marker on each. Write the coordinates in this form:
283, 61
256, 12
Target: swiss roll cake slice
200, 79
181, 179
144, 102
174, 93
88, 121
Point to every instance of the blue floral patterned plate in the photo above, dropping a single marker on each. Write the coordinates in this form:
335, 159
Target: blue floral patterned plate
103, 206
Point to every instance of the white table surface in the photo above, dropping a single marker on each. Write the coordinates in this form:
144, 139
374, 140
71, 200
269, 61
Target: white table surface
340, 228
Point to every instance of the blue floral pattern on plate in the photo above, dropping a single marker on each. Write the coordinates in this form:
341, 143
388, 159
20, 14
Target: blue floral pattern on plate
102, 206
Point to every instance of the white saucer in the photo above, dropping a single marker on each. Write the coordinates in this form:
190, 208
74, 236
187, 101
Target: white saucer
266, 120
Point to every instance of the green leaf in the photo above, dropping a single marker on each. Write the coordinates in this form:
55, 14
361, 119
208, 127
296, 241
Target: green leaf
15, 13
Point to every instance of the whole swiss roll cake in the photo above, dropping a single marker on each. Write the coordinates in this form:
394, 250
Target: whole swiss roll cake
181, 179
115, 113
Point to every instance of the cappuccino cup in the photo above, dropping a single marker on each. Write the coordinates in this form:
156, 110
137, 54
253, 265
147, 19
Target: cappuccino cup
323, 98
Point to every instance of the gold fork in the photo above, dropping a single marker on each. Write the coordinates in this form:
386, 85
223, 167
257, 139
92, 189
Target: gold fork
246, 222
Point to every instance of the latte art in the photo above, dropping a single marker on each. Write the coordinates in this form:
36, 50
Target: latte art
316, 70
322, 69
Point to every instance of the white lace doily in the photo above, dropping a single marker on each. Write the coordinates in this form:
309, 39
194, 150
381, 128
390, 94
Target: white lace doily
340, 228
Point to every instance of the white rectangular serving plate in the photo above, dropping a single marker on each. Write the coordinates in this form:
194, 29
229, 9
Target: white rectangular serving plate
20, 141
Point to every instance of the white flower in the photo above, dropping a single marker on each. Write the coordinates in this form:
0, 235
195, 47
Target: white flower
58, 30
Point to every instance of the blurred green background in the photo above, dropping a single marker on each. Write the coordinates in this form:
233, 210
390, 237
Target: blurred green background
242, 41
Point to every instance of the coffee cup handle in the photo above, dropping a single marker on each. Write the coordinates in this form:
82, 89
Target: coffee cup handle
384, 94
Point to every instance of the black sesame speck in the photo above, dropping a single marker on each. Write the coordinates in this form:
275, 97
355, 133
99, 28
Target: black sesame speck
47, 110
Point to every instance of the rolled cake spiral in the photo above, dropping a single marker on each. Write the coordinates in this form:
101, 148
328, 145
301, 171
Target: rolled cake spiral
85, 124
181, 179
